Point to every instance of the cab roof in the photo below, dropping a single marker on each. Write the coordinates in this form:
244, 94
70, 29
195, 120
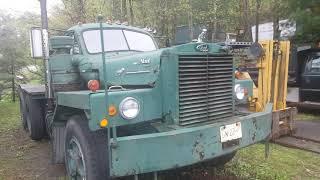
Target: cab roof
82, 27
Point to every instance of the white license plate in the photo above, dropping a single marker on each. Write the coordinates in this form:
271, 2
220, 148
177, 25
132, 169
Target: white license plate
230, 132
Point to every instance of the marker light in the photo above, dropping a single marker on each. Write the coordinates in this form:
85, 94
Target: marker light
104, 123
112, 110
129, 108
93, 85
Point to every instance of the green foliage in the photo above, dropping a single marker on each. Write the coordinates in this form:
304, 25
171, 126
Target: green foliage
15, 57
307, 15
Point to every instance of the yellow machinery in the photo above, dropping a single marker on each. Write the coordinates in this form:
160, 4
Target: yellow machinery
272, 86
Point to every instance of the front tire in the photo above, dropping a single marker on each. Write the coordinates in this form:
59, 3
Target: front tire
86, 154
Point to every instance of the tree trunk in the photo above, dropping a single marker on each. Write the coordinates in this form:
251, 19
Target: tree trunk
82, 11
13, 81
124, 10
116, 9
131, 12
245, 21
275, 19
214, 33
190, 21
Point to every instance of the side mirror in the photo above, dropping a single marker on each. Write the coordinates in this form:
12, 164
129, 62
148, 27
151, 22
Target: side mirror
36, 43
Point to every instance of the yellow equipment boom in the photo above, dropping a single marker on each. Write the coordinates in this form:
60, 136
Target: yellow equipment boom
272, 86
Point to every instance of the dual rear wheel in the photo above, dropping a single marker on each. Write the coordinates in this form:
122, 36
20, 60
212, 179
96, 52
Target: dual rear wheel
32, 117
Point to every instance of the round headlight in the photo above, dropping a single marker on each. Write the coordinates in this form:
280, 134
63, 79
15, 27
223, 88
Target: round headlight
129, 108
239, 91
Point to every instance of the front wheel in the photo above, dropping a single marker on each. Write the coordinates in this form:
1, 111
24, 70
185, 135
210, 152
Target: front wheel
86, 154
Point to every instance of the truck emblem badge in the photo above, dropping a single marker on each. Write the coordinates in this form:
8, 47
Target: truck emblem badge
202, 47
145, 60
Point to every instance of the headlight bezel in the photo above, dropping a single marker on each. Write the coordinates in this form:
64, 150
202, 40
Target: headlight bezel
239, 92
122, 104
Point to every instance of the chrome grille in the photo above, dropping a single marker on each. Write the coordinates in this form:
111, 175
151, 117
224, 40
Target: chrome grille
205, 88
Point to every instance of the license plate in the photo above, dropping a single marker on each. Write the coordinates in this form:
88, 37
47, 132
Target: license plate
230, 132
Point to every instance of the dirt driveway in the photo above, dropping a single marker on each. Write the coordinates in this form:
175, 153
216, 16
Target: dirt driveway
22, 158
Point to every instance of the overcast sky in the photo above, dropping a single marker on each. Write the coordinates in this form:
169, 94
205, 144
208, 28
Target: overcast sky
16, 7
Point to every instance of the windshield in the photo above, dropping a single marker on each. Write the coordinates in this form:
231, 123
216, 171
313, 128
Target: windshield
313, 66
118, 40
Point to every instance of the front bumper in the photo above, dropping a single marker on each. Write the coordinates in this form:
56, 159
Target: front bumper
166, 150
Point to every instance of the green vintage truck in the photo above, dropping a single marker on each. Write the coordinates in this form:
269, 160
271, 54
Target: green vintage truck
136, 108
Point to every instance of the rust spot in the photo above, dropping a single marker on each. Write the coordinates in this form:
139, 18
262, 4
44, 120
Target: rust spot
198, 150
254, 136
254, 121
201, 155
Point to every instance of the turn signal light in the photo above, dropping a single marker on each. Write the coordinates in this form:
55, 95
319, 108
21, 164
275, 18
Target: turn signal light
238, 74
112, 110
93, 85
104, 123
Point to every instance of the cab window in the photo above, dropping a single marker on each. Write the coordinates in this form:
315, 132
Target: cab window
118, 40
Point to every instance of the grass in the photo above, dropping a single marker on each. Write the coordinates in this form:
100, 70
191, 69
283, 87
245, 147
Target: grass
307, 116
283, 163
9, 116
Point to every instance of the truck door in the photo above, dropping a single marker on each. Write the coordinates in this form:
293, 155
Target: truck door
310, 80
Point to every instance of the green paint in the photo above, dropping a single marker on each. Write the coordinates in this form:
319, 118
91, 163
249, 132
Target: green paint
154, 78
184, 146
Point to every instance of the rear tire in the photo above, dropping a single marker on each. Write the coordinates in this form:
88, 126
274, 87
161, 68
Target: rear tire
86, 154
34, 119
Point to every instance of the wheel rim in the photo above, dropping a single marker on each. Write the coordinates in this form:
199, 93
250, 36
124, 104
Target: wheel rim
75, 162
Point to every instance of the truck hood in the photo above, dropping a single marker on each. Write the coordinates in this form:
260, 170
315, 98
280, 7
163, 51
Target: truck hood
138, 69
130, 69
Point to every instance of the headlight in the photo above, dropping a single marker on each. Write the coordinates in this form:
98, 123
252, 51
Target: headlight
129, 108
239, 91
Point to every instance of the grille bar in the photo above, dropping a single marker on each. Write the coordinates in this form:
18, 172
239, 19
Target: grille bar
205, 88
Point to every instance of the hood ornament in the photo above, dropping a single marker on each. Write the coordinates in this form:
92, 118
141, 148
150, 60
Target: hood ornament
202, 47
202, 36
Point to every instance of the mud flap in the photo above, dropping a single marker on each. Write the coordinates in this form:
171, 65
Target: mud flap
58, 136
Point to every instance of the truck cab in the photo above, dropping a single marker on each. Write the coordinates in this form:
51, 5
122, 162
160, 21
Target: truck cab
135, 108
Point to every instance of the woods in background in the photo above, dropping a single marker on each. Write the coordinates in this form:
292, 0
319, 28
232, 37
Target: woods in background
162, 15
